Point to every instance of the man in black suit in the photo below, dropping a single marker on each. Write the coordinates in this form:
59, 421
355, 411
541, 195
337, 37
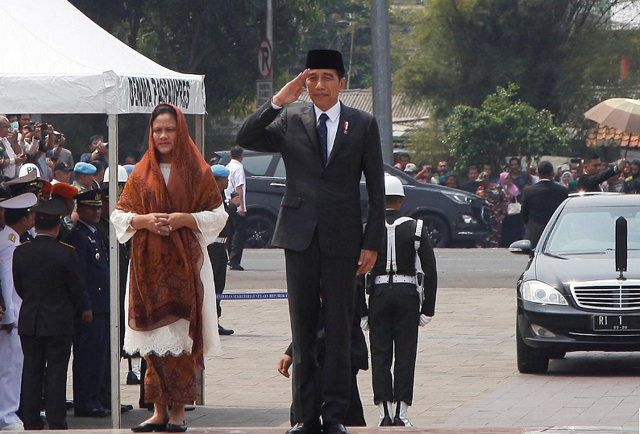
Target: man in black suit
540, 202
593, 176
326, 147
46, 274
91, 331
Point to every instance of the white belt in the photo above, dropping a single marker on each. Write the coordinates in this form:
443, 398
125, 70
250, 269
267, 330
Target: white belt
221, 240
399, 278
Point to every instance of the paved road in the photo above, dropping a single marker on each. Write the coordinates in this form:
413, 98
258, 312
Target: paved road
466, 373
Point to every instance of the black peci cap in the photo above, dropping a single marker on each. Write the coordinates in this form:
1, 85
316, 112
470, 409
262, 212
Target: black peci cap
325, 59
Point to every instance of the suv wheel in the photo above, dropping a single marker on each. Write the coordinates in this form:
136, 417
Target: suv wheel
259, 231
530, 360
438, 230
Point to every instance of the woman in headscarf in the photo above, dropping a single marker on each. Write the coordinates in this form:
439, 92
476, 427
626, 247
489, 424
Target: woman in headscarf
565, 178
498, 203
512, 225
171, 209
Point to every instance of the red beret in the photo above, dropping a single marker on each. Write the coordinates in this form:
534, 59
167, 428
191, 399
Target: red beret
63, 189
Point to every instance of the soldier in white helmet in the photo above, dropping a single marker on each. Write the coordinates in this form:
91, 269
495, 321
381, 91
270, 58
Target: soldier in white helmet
398, 304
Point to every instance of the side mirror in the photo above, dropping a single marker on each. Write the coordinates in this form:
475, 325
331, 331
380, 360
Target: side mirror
522, 247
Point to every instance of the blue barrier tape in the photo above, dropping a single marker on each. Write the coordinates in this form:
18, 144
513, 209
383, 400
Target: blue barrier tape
252, 296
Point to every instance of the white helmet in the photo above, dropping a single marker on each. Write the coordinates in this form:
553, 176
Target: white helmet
393, 186
122, 174
27, 168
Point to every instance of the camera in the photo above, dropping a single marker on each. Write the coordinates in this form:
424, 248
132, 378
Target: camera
32, 126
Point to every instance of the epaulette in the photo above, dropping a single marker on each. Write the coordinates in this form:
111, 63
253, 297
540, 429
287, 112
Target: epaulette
65, 244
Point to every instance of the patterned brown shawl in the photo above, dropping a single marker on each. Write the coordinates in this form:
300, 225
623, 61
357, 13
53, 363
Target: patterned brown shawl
164, 283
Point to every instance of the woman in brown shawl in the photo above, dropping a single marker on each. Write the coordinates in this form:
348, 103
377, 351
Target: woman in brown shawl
171, 209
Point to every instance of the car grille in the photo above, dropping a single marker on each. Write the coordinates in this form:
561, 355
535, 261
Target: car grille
607, 294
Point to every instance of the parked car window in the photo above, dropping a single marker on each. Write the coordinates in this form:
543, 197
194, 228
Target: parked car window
280, 171
593, 230
256, 164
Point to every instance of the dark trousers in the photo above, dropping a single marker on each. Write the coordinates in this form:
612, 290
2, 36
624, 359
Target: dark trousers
50, 354
394, 317
218, 257
90, 344
235, 243
355, 413
311, 273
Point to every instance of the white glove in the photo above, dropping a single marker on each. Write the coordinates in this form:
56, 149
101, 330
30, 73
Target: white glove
364, 323
424, 320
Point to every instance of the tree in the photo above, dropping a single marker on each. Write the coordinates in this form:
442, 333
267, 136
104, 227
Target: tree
563, 54
503, 126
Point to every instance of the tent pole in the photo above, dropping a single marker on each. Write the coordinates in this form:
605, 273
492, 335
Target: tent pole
114, 291
200, 146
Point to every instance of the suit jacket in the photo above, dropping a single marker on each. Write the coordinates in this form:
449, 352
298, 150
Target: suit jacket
538, 205
94, 267
592, 183
46, 274
319, 198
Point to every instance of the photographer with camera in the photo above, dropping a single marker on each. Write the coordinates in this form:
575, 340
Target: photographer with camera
98, 151
38, 139
64, 155
9, 161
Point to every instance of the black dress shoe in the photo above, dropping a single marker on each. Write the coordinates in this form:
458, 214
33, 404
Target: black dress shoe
132, 379
172, 427
334, 428
223, 331
125, 408
91, 412
386, 421
150, 427
69, 404
189, 407
236, 267
311, 427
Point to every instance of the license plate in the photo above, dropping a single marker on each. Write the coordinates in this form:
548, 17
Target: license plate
616, 322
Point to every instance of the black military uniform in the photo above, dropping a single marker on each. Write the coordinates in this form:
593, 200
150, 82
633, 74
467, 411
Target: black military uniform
394, 310
91, 339
46, 275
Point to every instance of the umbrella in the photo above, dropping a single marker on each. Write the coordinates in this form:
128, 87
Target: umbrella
620, 113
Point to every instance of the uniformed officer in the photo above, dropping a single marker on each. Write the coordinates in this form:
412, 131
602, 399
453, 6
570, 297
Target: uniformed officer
395, 310
46, 275
19, 219
65, 193
91, 332
217, 250
29, 182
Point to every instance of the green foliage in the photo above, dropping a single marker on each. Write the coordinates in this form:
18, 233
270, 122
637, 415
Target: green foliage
563, 54
503, 126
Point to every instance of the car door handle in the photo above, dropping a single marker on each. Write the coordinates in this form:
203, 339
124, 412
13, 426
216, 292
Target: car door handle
277, 184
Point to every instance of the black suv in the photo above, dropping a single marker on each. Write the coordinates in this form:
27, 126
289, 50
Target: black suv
452, 216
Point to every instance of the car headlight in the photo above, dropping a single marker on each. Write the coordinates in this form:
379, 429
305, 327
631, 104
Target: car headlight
539, 292
468, 219
459, 198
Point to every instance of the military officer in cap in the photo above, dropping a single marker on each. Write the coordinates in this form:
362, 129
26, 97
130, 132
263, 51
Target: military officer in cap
83, 176
326, 147
18, 218
91, 332
65, 193
50, 293
397, 308
28, 182
217, 250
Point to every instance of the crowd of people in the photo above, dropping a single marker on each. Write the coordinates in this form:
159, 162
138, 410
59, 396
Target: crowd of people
505, 192
45, 197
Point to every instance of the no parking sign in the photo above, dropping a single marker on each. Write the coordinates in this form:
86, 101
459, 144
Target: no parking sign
265, 59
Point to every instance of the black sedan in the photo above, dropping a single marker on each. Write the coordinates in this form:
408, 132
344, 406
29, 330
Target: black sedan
571, 296
451, 216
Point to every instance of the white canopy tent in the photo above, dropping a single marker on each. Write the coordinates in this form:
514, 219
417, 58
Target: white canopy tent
54, 59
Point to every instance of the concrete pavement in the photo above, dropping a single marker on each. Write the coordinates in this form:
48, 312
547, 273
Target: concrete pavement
466, 374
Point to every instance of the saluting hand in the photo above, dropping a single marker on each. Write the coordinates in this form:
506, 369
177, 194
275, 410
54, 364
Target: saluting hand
292, 90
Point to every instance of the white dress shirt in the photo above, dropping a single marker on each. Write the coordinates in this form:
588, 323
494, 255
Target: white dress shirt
10, 170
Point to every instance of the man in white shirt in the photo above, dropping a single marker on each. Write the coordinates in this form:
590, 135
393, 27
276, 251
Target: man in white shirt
11, 160
237, 187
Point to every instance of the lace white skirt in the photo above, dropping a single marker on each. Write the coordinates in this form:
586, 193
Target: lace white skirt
174, 338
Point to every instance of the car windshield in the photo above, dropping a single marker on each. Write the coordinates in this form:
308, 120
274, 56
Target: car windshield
592, 230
